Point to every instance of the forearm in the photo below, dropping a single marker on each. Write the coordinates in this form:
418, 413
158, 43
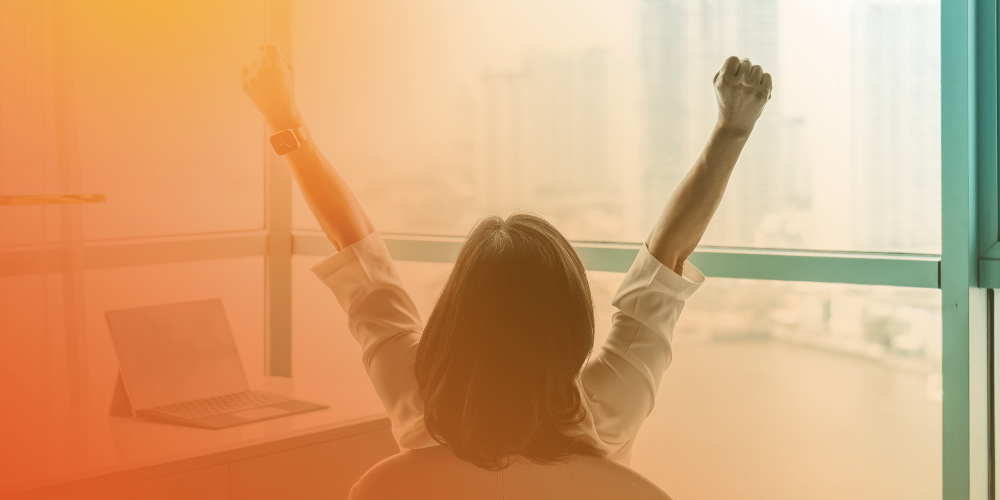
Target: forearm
693, 203
329, 197
269, 82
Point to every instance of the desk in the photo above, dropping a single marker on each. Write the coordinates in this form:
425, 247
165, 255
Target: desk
318, 454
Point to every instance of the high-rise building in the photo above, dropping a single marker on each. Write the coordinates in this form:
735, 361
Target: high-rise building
542, 141
895, 133
683, 44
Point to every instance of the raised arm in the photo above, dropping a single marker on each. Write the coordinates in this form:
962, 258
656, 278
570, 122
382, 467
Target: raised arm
621, 380
380, 314
269, 81
742, 90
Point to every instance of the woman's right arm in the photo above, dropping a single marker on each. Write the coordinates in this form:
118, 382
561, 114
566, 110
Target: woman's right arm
269, 82
741, 90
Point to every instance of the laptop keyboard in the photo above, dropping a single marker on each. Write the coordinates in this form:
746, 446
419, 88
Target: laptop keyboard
220, 405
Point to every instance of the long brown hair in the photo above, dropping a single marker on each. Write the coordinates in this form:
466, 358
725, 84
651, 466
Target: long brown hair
499, 356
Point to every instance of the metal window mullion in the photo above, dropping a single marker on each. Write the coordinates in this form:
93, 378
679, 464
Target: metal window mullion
278, 308
963, 303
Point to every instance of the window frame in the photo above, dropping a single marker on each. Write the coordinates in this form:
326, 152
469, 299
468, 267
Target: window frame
987, 69
969, 241
909, 270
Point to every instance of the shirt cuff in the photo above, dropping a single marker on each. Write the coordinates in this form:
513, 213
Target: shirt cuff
361, 250
664, 279
356, 269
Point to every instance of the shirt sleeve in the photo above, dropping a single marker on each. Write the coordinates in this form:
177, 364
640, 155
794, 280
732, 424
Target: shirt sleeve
384, 320
620, 381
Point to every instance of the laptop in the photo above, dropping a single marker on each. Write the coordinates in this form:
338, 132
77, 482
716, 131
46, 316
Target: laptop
179, 364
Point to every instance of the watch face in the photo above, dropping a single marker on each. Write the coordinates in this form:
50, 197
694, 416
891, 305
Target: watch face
284, 142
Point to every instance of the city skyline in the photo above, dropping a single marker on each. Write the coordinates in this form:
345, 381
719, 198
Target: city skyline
781, 195
594, 137
811, 176
887, 194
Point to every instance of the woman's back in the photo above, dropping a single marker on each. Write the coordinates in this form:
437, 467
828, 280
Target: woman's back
436, 473
503, 367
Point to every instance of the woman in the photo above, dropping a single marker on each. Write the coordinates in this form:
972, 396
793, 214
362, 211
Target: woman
501, 369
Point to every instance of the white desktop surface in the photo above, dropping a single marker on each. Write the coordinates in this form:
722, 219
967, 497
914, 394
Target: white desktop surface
112, 444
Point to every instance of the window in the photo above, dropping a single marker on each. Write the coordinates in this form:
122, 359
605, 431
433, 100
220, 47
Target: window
591, 113
323, 347
177, 173
440, 114
836, 385
833, 385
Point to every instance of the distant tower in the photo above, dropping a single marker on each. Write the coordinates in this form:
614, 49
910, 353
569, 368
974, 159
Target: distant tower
501, 107
663, 66
543, 142
683, 43
895, 133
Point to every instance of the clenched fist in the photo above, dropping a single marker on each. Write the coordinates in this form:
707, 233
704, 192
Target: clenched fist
741, 89
269, 81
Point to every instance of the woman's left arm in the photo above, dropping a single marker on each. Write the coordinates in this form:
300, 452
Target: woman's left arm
621, 379
381, 315
269, 81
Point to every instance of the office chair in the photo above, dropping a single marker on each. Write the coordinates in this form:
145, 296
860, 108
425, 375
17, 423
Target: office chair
436, 473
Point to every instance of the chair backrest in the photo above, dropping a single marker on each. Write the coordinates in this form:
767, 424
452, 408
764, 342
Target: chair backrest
437, 473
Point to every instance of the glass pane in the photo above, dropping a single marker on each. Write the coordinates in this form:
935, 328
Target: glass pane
322, 346
162, 125
777, 387
590, 112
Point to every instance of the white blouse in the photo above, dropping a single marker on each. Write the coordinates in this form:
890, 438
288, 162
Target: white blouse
618, 383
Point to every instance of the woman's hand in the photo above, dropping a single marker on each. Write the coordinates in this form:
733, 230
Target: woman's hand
270, 83
742, 90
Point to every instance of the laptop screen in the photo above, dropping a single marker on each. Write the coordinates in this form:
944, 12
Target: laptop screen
176, 352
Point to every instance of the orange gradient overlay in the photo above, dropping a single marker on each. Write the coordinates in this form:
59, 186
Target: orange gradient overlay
135, 171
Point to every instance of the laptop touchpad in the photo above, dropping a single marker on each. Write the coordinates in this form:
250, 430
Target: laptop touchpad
265, 412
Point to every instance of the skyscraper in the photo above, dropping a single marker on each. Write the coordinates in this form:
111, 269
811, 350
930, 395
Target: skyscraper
683, 44
542, 141
895, 136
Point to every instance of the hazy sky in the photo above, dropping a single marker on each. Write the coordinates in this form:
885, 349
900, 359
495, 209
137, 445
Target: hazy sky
381, 81
397, 68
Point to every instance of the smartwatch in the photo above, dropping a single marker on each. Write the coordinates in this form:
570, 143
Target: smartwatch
289, 140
